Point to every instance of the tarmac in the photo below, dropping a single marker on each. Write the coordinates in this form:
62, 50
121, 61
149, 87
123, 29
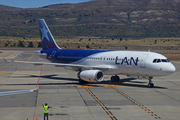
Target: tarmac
129, 99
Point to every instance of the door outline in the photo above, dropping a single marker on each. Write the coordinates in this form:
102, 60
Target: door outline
53, 55
143, 61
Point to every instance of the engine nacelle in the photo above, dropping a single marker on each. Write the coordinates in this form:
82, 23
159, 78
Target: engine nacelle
91, 75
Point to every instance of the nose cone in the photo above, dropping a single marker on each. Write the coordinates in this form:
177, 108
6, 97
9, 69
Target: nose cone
170, 68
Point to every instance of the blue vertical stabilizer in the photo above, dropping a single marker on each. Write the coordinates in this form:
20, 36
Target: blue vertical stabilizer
47, 39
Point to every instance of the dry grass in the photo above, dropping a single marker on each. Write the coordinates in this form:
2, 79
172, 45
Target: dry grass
98, 43
111, 44
131, 44
172, 56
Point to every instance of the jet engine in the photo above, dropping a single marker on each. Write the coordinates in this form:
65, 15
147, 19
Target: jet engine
91, 75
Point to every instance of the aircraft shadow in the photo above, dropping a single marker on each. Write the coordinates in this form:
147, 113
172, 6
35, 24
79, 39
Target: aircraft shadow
52, 77
129, 82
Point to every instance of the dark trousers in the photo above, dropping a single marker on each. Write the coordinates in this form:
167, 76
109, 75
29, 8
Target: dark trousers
45, 116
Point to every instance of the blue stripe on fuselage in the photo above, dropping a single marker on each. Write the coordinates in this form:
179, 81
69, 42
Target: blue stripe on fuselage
73, 55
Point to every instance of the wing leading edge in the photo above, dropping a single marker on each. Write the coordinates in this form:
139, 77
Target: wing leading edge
76, 67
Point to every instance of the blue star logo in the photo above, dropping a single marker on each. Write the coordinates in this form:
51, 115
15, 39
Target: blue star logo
44, 32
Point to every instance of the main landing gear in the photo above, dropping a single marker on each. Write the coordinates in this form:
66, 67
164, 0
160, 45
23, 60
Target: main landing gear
82, 82
150, 85
115, 78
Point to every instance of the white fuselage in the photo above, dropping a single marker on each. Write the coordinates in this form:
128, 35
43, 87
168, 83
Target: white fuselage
134, 63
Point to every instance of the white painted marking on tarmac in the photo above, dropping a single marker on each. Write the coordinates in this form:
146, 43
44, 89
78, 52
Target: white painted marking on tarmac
156, 80
51, 80
16, 92
21, 91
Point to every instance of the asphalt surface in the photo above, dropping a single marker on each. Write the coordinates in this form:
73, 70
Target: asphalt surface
129, 99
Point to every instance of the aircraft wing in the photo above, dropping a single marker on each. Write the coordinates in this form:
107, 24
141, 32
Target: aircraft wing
20, 91
74, 66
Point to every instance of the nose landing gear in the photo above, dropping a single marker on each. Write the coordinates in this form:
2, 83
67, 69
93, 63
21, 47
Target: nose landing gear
150, 85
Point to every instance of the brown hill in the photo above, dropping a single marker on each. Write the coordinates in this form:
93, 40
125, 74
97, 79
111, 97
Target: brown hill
102, 18
3, 7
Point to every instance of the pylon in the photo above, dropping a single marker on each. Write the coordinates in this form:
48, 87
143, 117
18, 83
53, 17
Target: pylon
36, 118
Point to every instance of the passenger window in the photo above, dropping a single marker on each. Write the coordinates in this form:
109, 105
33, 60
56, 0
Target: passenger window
154, 61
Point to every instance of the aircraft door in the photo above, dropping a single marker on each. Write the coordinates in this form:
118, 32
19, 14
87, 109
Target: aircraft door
53, 55
143, 61
102, 60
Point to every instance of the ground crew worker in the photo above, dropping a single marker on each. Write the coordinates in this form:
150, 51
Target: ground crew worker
46, 110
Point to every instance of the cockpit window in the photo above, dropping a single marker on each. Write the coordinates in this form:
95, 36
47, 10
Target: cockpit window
154, 61
160, 60
163, 60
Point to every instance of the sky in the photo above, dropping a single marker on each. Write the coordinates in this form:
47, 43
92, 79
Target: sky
36, 3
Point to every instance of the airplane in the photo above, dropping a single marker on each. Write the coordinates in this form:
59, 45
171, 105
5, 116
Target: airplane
92, 65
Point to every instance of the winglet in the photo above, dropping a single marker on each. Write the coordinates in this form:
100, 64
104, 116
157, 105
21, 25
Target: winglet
7, 61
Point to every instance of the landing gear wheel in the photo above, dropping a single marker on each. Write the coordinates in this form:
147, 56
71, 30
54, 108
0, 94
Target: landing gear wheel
112, 78
115, 78
150, 85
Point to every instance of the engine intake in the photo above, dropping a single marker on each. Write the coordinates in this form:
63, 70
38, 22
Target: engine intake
91, 75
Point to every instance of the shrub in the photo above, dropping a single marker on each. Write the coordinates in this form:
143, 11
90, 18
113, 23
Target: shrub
87, 46
30, 44
21, 44
39, 44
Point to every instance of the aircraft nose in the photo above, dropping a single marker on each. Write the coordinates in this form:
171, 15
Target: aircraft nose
170, 68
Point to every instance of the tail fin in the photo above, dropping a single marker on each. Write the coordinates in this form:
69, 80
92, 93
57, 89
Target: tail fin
47, 39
